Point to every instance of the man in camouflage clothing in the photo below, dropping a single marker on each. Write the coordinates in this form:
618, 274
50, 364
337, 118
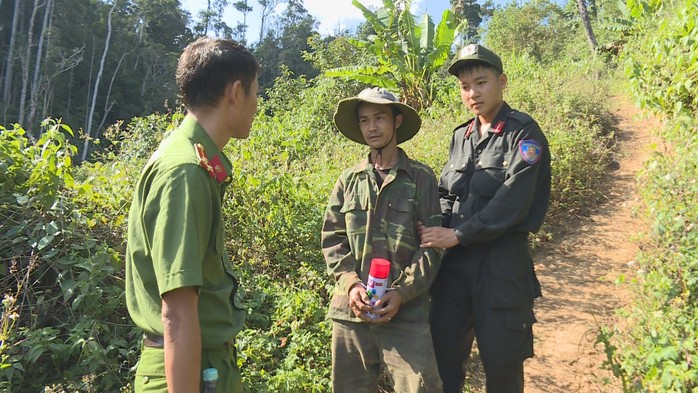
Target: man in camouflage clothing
373, 213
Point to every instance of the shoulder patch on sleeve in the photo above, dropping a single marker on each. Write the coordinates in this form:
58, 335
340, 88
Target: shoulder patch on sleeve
530, 150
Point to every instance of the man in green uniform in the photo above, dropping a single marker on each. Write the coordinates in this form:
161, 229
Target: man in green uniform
373, 213
494, 191
180, 285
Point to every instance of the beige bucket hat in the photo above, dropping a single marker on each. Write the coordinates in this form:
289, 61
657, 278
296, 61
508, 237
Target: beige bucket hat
346, 120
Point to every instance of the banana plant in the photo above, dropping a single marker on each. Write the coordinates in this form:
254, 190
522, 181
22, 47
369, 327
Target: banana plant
408, 53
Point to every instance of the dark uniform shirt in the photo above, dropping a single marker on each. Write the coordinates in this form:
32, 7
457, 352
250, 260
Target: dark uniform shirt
494, 190
175, 236
364, 221
496, 184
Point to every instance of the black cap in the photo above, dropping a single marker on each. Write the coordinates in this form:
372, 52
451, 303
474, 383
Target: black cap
474, 52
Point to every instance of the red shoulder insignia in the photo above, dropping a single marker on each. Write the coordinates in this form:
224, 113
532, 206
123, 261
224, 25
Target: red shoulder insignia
219, 169
499, 128
203, 160
471, 128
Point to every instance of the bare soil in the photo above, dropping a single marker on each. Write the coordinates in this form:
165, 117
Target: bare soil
581, 270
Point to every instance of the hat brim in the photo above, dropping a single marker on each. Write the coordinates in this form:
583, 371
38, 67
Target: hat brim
346, 120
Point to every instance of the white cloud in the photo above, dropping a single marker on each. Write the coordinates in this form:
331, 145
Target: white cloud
340, 14
337, 13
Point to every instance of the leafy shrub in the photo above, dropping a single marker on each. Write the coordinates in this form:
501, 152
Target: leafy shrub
287, 348
659, 351
63, 301
663, 66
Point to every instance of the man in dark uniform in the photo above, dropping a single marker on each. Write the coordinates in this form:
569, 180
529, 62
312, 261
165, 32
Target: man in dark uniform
180, 284
494, 191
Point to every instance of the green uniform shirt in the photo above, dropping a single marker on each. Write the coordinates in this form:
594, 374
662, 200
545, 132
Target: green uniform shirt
363, 221
175, 236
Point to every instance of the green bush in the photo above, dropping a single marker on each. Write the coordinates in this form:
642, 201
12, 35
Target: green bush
659, 350
63, 297
663, 66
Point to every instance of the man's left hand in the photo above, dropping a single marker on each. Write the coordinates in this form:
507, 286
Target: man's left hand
439, 237
387, 307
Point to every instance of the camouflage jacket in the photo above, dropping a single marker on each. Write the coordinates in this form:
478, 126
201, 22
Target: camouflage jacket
363, 221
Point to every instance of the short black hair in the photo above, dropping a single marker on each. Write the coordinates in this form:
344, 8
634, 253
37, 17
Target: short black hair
207, 65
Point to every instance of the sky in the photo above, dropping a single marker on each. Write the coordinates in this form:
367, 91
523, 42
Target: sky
333, 15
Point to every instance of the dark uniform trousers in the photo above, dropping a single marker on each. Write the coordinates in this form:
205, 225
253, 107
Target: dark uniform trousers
486, 291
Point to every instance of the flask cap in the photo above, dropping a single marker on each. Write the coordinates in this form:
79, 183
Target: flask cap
380, 268
210, 374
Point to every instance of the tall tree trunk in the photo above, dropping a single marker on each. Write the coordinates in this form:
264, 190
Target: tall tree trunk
10, 56
25, 66
48, 97
86, 147
107, 105
208, 17
64, 65
581, 5
268, 7
37, 67
70, 94
89, 82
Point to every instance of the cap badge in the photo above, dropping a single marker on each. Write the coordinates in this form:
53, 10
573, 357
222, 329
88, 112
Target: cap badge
468, 50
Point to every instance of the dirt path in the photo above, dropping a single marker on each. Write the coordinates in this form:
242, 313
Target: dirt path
578, 272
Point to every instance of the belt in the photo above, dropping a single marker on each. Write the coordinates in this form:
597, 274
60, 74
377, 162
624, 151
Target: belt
153, 341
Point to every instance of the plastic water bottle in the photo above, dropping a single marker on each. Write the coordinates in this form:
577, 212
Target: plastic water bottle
377, 281
210, 379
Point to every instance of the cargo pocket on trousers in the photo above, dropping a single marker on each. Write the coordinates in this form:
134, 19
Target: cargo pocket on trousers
150, 373
520, 319
521, 322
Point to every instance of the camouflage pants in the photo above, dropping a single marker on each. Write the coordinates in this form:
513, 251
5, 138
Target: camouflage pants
150, 375
404, 349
